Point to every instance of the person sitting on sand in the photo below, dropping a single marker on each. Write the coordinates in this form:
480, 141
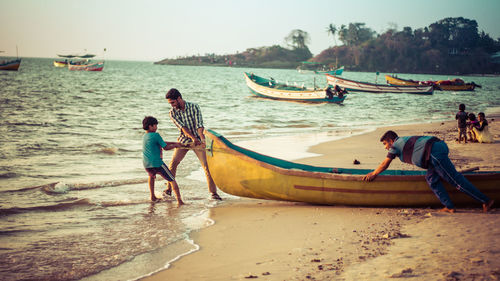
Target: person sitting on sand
482, 133
153, 163
471, 124
430, 153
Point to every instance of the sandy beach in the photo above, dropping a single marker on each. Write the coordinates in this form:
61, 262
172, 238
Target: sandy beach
269, 240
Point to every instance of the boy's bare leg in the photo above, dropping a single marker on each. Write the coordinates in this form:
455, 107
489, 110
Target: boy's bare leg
175, 187
151, 183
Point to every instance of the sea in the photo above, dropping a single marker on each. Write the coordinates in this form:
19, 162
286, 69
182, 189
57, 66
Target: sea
74, 200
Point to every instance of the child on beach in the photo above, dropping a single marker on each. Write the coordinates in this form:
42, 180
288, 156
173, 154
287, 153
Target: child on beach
473, 123
483, 135
152, 157
461, 118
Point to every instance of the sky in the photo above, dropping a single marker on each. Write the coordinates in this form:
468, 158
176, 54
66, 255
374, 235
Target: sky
152, 30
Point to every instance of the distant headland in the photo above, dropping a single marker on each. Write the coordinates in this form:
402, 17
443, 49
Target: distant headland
448, 46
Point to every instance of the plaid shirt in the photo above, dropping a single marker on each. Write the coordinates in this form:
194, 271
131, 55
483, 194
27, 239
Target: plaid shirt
190, 118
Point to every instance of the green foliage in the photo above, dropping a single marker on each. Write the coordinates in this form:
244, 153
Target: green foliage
270, 57
355, 34
449, 46
298, 39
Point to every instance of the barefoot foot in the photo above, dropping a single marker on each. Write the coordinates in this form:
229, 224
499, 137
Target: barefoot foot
446, 210
487, 206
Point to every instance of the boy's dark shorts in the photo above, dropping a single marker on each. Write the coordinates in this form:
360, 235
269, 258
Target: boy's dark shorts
163, 171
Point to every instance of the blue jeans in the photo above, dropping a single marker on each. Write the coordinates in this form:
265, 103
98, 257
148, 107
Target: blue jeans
440, 166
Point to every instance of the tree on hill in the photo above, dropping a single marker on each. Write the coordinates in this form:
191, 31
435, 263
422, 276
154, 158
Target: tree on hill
298, 39
332, 29
355, 34
273, 56
448, 46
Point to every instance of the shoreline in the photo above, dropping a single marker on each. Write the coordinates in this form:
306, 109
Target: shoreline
273, 240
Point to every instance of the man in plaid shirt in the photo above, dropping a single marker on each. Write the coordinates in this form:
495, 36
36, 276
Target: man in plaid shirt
187, 117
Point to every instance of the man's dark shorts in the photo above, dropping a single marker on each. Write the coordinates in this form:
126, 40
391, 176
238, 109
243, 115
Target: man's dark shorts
163, 171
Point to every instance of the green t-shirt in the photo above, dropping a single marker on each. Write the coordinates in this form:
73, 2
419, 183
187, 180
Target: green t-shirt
152, 143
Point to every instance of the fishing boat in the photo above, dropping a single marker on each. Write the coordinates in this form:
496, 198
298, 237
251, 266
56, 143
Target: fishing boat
318, 68
456, 84
10, 64
272, 89
61, 63
89, 66
83, 64
337, 71
242, 172
357, 86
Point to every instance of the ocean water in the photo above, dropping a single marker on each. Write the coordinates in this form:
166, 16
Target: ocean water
73, 192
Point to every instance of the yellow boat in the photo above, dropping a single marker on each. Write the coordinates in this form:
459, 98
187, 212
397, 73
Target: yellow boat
60, 63
242, 172
444, 85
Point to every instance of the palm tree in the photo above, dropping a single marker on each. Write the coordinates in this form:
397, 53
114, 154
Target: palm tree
298, 39
332, 29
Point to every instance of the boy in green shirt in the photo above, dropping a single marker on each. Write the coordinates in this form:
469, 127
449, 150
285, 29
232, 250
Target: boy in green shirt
152, 157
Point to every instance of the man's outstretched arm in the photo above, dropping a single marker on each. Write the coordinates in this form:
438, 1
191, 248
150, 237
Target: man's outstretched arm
382, 167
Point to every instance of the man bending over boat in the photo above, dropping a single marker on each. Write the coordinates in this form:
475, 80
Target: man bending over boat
430, 153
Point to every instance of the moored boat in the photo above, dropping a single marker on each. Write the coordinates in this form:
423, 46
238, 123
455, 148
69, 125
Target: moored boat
337, 71
90, 66
319, 68
270, 88
12, 65
60, 63
357, 86
444, 85
242, 172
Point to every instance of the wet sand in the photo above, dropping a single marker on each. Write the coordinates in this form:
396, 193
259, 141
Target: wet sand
269, 240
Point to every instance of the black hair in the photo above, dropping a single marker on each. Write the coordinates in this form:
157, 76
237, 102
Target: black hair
471, 116
173, 94
481, 113
389, 135
461, 106
148, 121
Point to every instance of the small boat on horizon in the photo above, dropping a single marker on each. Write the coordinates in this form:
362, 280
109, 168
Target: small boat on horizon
242, 172
84, 64
357, 86
12, 65
272, 89
88, 66
337, 71
319, 68
456, 84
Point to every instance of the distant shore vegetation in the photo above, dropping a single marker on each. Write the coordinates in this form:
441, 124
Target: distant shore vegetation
448, 46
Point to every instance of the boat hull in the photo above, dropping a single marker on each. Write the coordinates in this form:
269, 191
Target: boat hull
403, 82
356, 86
337, 71
60, 64
11, 65
300, 95
98, 66
245, 173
